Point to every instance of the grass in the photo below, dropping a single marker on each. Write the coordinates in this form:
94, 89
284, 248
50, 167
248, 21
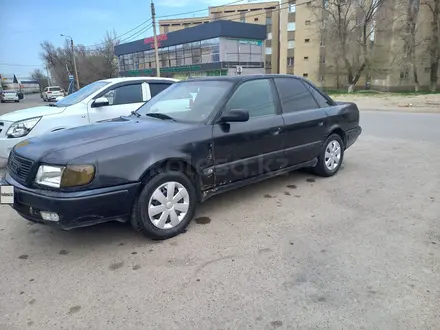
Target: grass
334, 93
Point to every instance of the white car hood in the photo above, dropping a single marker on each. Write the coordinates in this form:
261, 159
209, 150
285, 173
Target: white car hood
31, 113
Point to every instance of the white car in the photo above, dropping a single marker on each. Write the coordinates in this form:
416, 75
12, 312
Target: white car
101, 100
9, 96
51, 93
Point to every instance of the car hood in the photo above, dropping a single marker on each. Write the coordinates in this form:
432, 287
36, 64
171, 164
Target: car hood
31, 113
63, 146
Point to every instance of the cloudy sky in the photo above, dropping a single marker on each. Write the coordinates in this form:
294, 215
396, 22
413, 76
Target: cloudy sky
26, 23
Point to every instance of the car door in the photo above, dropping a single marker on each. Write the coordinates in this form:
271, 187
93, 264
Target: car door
122, 99
305, 120
247, 149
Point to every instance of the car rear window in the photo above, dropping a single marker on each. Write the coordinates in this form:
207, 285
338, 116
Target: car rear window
10, 92
54, 89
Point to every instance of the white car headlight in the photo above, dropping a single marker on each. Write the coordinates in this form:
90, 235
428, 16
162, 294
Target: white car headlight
49, 175
22, 127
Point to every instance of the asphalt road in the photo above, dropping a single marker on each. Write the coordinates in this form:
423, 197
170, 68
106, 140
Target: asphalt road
32, 100
360, 250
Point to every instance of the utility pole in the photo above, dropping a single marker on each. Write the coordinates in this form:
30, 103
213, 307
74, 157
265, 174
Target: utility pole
74, 60
156, 51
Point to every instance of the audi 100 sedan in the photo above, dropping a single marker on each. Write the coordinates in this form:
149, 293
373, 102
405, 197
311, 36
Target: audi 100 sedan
196, 139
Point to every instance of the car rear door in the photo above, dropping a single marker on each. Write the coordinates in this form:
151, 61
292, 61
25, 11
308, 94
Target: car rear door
247, 149
304, 118
123, 98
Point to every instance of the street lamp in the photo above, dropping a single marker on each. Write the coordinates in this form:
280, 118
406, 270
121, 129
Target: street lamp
74, 61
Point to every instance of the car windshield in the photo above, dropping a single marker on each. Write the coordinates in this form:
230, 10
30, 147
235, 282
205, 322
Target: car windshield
81, 94
188, 101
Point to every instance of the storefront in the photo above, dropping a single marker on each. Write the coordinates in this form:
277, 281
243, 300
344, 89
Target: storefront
211, 49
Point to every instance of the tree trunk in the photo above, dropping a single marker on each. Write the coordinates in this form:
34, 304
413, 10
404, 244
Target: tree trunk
351, 88
435, 45
434, 76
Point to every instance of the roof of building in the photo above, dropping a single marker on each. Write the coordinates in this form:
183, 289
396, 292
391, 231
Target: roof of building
220, 28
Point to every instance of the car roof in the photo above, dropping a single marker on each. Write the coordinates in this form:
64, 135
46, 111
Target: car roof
240, 78
146, 78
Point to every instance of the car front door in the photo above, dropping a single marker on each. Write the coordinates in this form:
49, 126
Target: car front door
304, 118
122, 99
247, 149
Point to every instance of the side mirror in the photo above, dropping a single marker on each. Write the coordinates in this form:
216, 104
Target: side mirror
235, 115
101, 102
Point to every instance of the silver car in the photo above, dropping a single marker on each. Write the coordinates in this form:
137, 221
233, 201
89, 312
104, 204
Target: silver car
9, 96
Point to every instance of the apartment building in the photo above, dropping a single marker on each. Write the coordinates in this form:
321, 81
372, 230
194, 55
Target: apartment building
394, 71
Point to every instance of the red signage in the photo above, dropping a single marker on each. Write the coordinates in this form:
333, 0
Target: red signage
159, 38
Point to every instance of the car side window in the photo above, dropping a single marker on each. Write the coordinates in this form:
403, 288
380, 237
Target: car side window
322, 101
156, 88
255, 96
125, 94
294, 96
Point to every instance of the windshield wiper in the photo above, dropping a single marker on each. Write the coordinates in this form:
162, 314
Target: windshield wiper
134, 113
160, 116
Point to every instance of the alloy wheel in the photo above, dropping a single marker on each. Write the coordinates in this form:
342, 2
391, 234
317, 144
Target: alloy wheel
332, 155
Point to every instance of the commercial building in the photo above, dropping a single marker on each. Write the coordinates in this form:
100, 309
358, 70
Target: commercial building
216, 48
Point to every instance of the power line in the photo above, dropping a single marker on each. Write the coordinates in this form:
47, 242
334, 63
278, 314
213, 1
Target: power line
134, 36
15, 64
200, 10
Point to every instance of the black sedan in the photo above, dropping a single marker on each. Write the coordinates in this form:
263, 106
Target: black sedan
196, 139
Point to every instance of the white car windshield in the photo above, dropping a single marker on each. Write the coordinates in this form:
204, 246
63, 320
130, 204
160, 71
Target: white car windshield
187, 101
81, 94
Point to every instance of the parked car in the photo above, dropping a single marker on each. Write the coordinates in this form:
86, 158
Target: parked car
153, 167
51, 93
98, 101
9, 95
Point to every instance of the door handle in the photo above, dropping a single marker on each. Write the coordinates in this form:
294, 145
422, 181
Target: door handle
276, 131
321, 123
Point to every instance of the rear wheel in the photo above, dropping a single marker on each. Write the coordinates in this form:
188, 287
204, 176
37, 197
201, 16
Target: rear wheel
331, 156
165, 206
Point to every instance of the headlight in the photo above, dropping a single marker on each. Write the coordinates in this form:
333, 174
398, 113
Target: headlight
65, 176
22, 127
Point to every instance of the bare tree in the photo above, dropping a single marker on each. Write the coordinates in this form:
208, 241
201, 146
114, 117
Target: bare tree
39, 76
434, 45
350, 25
93, 63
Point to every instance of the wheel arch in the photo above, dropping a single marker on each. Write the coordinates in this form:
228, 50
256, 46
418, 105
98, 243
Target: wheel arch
339, 131
174, 164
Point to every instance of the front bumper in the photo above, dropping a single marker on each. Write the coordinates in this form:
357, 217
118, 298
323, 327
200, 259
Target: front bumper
352, 135
74, 209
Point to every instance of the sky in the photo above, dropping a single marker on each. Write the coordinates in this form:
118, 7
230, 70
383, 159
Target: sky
26, 23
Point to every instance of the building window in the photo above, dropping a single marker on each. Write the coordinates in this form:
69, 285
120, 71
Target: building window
308, 22
322, 43
269, 36
306, 40
290, 44
268, 20
256, 19
291, 26
322, 59
243, 20
305, 75
268, 65
325, 3
268, 50
292, 7
290, 61
306, 58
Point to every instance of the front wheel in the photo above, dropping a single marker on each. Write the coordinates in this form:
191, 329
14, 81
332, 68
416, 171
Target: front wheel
331, 156
165, 206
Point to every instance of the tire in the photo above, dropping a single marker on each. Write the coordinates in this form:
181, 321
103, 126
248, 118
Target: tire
3, 101
140, 218
17, 101
321, 168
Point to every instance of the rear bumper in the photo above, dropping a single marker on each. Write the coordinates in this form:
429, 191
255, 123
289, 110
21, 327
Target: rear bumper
74, 209
352, 135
